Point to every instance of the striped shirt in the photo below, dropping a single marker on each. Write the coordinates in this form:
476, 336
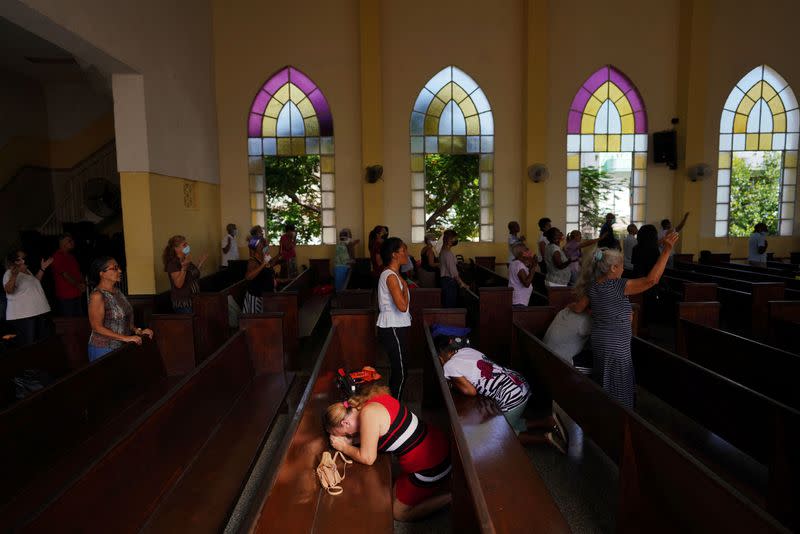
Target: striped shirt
506, 387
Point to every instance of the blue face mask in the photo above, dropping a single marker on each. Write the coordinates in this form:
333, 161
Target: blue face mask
186, 250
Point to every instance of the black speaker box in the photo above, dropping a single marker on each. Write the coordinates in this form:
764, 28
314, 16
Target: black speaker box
665, 148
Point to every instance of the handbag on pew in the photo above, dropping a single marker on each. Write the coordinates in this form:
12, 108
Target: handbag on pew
328, 473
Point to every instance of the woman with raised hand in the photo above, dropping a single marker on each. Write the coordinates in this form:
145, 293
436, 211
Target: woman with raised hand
110, 313
260, 275
183, 274
27, 306
394, 306
602, 288
373, 421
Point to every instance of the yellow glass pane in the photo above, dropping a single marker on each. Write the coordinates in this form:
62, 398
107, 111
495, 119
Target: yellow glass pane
431, 125
417, 163
587, 124
282, 94
284, 146
458, 93
601, 93
614, 92
593, 106
473, 125
627, 124
487, 162
298, 146
268, 126
751, 142
776, 105
436, 106
573, 162
601, 143
445, 94
295, 93
790, 159
755, 92
779, 122
306, 108
745, 106
624, 106
255, 217
739, 123
765, 142
614, 143
273, 108
468, 107
445, 144
639, 161
724, 160
326, 164
459, 144
767, 91
312, 127
254, 201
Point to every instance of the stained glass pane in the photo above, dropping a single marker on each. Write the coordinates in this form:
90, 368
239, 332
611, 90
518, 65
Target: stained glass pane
328, 200
573, 143
791, 141
778, 141
480, 101
417, 120
487, 233
486, 180
724, 160
257, 218
572, 196
724, 177
587, 143
329, 236
486, 216
256, 165
722, 212
572, 213
462, 79
787, 210
627, 143
417, 145
573, 178
312, 145
327, 217
640, 144
487, 123
439, 80
486, 198
723, 194
417, 199
326, 182
254, 147
725, 142
417, 180
473, 144
418, 216
326, 145
774, 79
459, 144
417, 234
788, 193
786, 227
431, 144
487, 143
326, 163
257, 201
793, 121
417, 163
638, 178
790, 159
257, 183
721, 229
738, 141
726, 122
423, 101
789, 176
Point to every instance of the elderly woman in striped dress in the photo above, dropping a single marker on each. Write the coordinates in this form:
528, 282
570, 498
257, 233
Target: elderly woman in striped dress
602, 288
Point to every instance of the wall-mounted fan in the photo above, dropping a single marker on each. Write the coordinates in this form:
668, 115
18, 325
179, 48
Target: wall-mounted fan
538, 172
699, 172
102, 197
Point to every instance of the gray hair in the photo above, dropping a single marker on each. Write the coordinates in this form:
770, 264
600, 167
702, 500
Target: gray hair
597, 265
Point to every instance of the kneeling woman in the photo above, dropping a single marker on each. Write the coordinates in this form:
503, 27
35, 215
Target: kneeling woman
382, 424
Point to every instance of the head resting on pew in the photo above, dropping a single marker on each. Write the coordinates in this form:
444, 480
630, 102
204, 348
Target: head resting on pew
446, 346
341, 418
606, 262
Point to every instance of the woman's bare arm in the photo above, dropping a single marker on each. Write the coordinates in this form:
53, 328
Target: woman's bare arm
640, 285
464, 386
366, 452
399, 292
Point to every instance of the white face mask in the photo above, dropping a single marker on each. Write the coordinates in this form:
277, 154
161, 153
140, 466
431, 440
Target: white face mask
235, 233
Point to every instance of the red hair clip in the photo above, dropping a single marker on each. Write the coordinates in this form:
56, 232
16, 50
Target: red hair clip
346, 404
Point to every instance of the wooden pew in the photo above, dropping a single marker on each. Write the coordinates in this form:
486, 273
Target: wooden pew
721, 405
74, 333
768, 370
662, 488
49, 355
184, 462
212, 327
705, 313
354, 299
289, 499
422, 298
495, 486
741, 272
175, 335
321, 267
784, 324
494, 324
51, 436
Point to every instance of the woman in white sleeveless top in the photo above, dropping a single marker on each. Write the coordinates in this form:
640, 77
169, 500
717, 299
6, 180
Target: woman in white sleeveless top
394, 305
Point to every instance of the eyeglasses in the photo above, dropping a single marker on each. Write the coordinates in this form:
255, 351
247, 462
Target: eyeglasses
113, 268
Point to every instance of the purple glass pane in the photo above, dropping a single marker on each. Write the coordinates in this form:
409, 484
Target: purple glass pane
635, 99
580, 100
260, 103
277, 81
323, 112
301, 80
620, 80
574, 122
254, 125
640, 122
597, 79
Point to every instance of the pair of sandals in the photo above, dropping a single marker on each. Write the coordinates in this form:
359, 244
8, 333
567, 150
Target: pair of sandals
558, 436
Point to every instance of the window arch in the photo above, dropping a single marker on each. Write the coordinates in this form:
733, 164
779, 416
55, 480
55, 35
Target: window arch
452, 116
758, 136
607, 116
290, 119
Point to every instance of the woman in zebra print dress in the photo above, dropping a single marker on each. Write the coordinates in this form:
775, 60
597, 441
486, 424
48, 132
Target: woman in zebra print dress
603, 289
382, 424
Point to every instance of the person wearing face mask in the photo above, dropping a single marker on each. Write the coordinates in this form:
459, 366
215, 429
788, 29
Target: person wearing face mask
27, 308
757, 246
260, 275
394, 317
110, 313
344, 258
183, 274
448, 270
230, 249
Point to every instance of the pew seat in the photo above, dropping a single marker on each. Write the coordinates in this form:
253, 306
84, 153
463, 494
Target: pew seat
311, 312
49, 355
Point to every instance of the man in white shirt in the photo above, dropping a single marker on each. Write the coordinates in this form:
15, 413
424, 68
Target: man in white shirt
757, 246
628, 244
230, 249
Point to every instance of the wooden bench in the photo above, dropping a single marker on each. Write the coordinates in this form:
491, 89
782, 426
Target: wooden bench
662, 488
49, 355
495, 486
212, 327
52, 435
784, 324
74, 333
290, 499
182, 466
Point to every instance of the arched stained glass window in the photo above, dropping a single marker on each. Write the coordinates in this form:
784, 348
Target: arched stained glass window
290, 120
757, 170
607, 128
452, 158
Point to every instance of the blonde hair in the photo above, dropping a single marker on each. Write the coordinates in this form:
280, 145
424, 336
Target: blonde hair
337, 412
594, 267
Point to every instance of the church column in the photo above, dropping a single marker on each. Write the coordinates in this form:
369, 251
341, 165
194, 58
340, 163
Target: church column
371, 112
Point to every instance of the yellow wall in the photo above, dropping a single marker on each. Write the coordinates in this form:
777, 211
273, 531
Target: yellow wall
153, 210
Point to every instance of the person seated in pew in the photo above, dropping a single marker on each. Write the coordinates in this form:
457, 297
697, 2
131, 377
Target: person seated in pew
372, 421
110, 313
602, 288
472, 373
260, 275
567, 336
183, 274
520, 275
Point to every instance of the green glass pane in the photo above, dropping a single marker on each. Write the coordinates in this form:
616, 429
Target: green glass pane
487, 162
459, 144
445, 144
417, 163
